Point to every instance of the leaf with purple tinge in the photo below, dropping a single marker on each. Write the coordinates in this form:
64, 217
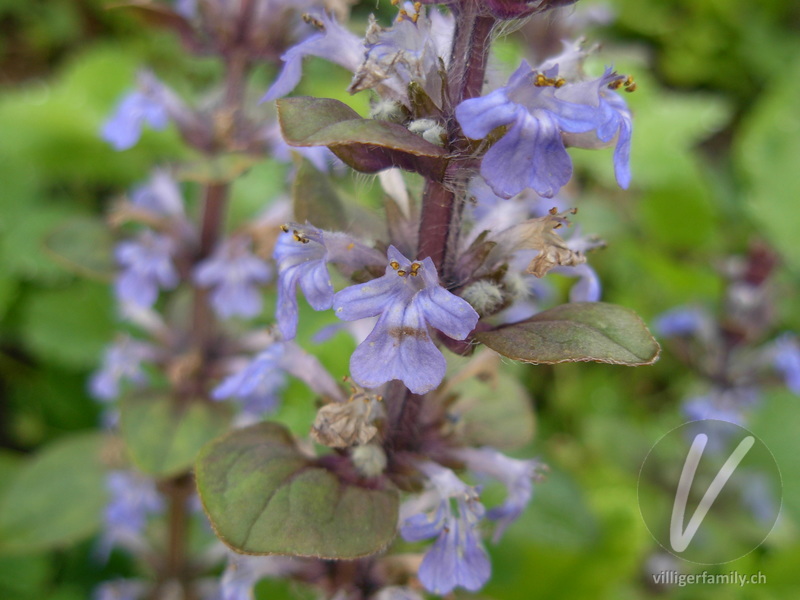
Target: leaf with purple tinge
264, 497
577, 332
366, 145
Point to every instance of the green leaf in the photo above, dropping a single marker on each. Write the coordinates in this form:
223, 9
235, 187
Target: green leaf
577, 332
314, 199
766, 150
496, 412
53, 328
56, 499
364, 144
264, 497
218, 169
85, 246
163, 440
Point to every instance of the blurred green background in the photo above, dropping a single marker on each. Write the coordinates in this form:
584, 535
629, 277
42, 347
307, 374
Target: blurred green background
716, 145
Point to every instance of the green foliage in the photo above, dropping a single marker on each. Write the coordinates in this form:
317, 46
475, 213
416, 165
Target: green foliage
163, 440
264, 497
56, 498
315, 200
577, 332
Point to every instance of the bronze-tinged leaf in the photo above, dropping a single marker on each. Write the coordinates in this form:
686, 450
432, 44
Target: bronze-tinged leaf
264, 497
577, 332
366, 145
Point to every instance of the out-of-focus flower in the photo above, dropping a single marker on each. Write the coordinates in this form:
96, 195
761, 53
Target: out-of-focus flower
122, 361
136, 109
146, 268
235, 274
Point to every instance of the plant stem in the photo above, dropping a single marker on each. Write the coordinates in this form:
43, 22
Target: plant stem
203, 322
440, 205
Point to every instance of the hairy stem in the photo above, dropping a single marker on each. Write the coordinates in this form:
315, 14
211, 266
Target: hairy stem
465, 80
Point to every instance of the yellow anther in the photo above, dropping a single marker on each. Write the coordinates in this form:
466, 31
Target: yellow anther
285, 228
395, 265
629, 80
402, 273
615, 85
351, 245
630, 88
540, 80
417, 6
312, 20
414, 17
553, 211
296, 237
415, 267
559, 82
395, 2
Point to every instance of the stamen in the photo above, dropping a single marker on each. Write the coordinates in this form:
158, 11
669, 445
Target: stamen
312, 20
395, 265
402, 273
285, 228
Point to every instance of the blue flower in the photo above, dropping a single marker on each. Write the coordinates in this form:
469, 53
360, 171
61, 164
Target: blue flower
333, 43
538, 108
302, 254
243, 572
786, 358
124, 128
681, 322
729, 404
120, 589
122, 361
257, 386
517, 475
160, 195
302, 260
146, 268
409, 302
234, 273
457, 557
133, 499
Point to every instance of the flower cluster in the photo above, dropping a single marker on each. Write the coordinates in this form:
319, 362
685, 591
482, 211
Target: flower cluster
472, 253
